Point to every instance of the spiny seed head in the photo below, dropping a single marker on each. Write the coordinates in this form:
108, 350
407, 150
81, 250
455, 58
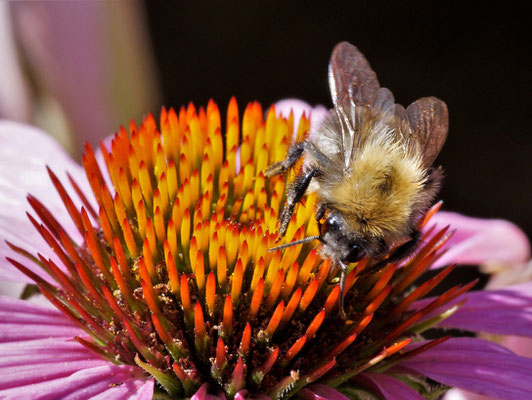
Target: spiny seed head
174, 274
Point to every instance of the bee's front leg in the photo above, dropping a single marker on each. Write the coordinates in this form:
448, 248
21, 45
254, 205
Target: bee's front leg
295, 192
343, 269
400, 253
295, 152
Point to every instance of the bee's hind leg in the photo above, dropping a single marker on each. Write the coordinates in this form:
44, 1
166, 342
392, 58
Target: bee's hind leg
295, 192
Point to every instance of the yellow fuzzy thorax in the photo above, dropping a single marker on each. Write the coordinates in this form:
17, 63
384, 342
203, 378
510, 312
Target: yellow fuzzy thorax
378, 196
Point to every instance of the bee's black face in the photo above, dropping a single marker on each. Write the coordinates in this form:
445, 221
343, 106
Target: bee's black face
337, 240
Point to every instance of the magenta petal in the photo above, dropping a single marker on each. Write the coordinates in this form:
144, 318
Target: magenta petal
506, 311
479, 241
321, 392
299, 107
477, 366
24, 154
21, 320
391, 388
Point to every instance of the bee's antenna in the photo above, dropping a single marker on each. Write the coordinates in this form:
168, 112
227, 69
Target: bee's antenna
304, 240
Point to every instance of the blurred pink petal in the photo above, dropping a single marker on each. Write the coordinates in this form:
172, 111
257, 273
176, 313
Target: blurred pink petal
519, 345
24, 155
299, 107
475, 365
391, 388
457, 394
505, 311
321, 392
98, 86
38, 357
14, 99
480, 241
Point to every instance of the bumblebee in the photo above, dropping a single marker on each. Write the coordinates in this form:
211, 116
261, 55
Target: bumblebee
370, 164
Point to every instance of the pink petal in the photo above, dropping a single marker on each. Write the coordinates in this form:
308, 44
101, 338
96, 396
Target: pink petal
21, 320
299, 107
243, 395
480, 241
33, 362
505, 311
40, 359
114, 382
321, 392
391, 388
24, 154
475, 365
202, 394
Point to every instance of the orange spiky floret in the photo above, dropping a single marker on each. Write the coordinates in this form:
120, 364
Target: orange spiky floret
174, 273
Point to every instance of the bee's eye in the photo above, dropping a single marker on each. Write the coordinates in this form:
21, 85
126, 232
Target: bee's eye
332, 223
355, 253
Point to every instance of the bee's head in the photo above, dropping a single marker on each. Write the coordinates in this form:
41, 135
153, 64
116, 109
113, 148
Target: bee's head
339, 242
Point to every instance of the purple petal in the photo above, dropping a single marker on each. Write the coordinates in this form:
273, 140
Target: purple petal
21, 320
505, 312
321, 392
299, 107
24, 154
480, 241
391, 388
475, 365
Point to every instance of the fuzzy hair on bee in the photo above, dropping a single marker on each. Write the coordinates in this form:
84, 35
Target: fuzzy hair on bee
370, 164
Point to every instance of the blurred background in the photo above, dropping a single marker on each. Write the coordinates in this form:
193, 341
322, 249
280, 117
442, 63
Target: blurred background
80, 69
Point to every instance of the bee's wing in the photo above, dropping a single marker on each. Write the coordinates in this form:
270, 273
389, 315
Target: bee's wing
351, 78
352, 82
429, 122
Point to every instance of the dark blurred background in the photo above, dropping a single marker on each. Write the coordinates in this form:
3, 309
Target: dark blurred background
474, 57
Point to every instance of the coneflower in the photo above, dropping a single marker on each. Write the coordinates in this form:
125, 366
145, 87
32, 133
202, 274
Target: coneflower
170, 273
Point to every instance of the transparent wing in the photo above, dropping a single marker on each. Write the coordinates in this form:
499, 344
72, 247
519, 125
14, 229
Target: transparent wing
351, 78
352, 83
429, 123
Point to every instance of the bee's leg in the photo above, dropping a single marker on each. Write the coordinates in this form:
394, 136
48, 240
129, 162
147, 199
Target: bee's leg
406, 249
400, 253
343, 269
294, 153
295, 192
320, 212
